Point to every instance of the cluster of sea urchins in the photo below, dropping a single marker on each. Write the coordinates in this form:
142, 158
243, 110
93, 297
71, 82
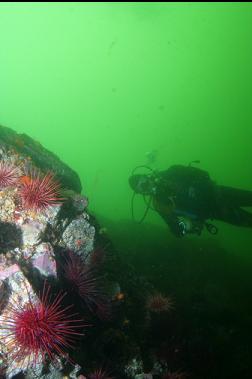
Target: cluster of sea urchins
36, 191
39, 329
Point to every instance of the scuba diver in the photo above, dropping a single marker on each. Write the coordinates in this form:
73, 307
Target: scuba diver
186, 198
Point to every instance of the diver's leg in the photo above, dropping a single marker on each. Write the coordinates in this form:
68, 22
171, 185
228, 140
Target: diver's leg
236, 216
234, 197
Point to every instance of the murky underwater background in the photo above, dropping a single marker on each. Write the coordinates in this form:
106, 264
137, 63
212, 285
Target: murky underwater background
103, 85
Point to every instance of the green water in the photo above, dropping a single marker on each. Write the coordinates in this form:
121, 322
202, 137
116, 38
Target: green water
103, 84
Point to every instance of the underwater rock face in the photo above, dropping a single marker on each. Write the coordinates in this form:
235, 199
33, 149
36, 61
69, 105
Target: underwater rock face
30, 236
78, 234
42, 158
10, 235
59, 275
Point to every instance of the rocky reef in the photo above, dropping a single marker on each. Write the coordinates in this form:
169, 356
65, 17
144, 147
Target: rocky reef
42, 214
69, 307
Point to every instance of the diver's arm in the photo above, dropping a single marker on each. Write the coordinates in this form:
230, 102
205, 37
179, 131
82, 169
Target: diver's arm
175, 225
165, 210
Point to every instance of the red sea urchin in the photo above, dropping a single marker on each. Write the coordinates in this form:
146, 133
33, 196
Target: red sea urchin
158, 303
82, 277
99, 374
37, 193
84, 281
39, 330
9, 174
174, 375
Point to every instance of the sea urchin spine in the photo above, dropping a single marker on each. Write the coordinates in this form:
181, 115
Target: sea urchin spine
38, 193
159, 303
41, 329
9, 174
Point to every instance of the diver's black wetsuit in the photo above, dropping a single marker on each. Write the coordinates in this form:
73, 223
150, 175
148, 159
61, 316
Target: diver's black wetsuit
190, 192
